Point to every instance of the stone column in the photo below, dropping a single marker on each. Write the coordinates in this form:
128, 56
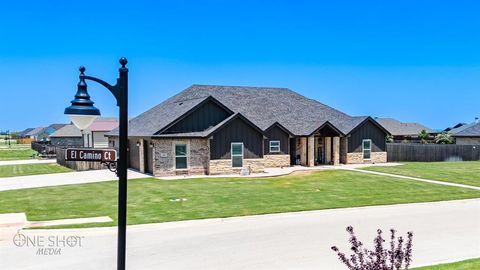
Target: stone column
141, 154
311, 151
328, 149
303, 151
336, 150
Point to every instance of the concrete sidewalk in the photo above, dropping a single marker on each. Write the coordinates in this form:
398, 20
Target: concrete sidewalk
27, 161
415, 178
60, 179
443, 232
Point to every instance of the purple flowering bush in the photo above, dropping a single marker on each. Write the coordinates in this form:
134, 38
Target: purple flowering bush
395, 257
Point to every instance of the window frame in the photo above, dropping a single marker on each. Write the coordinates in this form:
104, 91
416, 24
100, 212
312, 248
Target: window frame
270, 146
180, 156
237, 155
365, 149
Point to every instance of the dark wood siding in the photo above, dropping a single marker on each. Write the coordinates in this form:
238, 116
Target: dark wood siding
207, 115
148, 156
277, 134
133, 154
367, 130
236, 131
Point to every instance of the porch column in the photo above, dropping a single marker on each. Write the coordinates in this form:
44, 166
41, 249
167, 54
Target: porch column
336, 150
141, 156
311, 151
303, 151
343, 149
328, 150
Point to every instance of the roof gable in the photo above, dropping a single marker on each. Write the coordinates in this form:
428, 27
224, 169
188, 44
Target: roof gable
208, 112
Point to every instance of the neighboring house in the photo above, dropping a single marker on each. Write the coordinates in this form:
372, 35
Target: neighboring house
95, 135
23, 133
67, 136
71, 136
402, 132
34, 133
467, 134
46, 132
456, 126
224, 129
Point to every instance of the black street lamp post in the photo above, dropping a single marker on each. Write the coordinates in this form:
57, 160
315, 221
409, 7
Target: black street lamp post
83, 113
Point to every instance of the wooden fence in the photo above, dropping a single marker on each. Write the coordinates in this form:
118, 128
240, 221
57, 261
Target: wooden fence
44, 149
431, 152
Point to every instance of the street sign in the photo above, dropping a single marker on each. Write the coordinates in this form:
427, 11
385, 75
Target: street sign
98, 155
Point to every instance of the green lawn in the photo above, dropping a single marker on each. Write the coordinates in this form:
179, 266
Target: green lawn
461, 172
31, 169
14, 154
149, 199
463, 265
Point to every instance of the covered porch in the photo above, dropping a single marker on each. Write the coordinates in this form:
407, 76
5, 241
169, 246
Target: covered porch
326, 146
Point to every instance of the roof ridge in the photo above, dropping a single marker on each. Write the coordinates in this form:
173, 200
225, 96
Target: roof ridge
242, 86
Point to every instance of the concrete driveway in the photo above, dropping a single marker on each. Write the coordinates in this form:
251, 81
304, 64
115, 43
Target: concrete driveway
444, 231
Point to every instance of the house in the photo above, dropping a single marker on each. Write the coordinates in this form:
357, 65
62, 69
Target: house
467, 134
67, 136
402, 132
46, 132
34, 133
94, 136
226, 129
455, 126
23, 133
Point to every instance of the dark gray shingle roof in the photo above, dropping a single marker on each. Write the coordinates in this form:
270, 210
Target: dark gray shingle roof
67, 131
263, 106
470, 130
24, 132
35, 131
397, 128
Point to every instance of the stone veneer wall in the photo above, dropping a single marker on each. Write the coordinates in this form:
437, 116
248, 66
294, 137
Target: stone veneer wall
274, 161
357, 157
224, 166
164, 156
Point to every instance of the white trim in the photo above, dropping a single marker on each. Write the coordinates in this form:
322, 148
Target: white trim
187, 148
270, 146
232, 155
363, 149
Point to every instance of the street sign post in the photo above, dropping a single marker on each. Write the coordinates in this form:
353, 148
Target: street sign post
97, 155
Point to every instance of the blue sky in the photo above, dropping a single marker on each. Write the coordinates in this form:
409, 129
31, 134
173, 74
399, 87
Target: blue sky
411, 60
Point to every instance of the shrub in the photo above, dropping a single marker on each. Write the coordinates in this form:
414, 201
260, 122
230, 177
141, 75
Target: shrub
423, 136
397, 256
389, 139
444, 138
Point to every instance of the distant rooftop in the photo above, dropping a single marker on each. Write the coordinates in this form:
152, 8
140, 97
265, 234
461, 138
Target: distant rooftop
397, 128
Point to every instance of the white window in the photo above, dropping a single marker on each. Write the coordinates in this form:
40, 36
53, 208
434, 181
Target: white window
274, 146
180, 156
237, 154
367, 148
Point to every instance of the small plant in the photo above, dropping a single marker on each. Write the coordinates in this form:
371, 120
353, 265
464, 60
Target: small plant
444, 138
397, 256
423, 136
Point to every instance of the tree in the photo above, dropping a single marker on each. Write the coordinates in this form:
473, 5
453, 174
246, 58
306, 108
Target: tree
389, 139
395, 257
423, 136
444, 138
